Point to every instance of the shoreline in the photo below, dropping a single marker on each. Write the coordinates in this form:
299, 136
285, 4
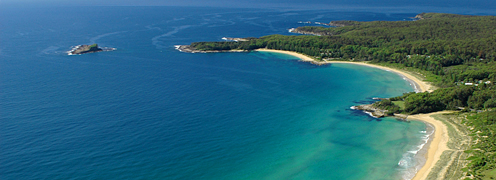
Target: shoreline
419, 85
188, 49
436, 146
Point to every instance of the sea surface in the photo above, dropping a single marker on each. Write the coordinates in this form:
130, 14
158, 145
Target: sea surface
148, 111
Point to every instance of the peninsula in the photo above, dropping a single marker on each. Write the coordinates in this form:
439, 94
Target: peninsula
83, 49
455, 54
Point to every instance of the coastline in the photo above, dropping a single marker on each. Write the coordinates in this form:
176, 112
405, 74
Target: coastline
437, 145
188, 49
295, 54
419, 85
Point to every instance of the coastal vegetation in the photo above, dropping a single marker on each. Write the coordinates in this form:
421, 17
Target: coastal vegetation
483, 153
457, 53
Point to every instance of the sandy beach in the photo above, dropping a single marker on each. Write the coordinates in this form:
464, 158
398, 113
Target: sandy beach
298, 55
439, 141
437, 146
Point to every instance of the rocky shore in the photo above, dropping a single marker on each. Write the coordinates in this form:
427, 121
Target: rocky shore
299, 31
419, 16
234, 39
379, 113
371, 110
189, 49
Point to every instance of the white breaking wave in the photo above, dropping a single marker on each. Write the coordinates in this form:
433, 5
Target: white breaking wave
366, 112
73, 49
411, 162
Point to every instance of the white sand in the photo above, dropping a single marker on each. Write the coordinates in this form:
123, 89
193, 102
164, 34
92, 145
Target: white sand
298, 55
438, 144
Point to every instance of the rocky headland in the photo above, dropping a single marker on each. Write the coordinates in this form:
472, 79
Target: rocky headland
234, 39
371, 110
300, 31
190, 49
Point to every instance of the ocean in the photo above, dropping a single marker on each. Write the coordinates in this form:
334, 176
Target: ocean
148, 111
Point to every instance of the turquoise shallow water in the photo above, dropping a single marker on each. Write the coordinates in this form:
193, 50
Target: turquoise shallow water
147, 111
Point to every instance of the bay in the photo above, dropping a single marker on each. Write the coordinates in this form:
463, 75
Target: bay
147, 111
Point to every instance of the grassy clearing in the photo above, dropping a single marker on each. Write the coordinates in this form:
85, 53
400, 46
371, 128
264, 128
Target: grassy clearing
401, 104
490, 174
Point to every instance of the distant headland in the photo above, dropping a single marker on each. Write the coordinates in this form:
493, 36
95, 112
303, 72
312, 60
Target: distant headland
83, 49
190, 49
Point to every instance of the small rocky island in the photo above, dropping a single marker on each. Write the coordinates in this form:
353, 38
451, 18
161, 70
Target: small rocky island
83, 49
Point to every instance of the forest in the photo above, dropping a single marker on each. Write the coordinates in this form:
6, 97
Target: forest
456, 53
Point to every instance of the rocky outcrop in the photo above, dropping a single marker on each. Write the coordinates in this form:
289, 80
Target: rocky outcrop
189, 49
299, 31
379, 113
371, 110
83, 49
235, 39
419, 16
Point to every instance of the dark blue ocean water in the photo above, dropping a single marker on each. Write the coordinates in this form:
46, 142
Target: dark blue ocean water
147, 111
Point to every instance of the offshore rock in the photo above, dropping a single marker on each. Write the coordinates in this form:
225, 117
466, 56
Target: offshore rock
83, 49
